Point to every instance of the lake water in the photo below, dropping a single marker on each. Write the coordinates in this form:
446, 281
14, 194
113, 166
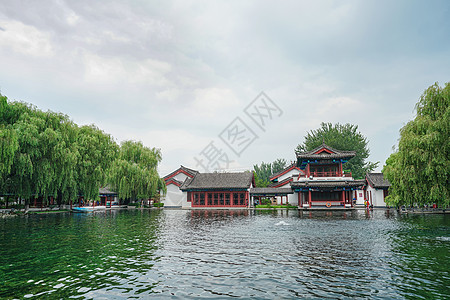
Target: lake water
133, 254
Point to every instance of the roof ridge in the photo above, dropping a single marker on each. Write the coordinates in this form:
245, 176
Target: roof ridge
294, 164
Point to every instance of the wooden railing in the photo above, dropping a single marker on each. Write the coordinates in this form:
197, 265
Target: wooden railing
325, 174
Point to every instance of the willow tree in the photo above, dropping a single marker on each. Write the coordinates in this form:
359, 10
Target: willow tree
342, 137
419, 171
45, 160
133, 175
97, 151
8, 139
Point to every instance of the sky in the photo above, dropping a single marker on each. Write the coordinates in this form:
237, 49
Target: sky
226, 84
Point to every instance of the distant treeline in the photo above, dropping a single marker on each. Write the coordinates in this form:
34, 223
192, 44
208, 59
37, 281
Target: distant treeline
45, 154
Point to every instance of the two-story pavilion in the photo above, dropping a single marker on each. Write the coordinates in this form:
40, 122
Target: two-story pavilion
324, 183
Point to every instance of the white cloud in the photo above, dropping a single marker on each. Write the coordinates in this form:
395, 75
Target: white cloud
212, 102
25, 39
175, 74
119, 71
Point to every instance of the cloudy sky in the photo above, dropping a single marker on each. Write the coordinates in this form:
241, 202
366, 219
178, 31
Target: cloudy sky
176, 74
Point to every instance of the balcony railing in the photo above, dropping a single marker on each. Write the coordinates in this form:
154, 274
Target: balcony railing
325, 174
330, 174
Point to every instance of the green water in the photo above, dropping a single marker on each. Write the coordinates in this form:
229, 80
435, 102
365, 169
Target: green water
191, 254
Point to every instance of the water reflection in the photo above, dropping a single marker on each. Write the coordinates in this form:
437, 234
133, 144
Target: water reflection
74, 254
225, 253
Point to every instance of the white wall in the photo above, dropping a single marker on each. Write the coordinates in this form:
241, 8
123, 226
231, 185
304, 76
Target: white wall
173, 197
375, 197
293, 198
288, 174
180, 177
184, 202
359, 197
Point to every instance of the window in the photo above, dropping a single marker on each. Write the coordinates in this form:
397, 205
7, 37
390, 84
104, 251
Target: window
327, 196
227, 199
210, 199
202, 199
217, 198
235, 199
196, 202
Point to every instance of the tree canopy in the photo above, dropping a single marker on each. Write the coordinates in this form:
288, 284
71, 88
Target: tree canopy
419, 170
265, 170
342, 137
133, 174
45, 154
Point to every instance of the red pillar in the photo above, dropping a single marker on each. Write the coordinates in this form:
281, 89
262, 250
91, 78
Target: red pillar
309, 198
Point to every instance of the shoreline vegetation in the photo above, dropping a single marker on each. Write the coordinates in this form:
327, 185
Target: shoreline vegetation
6, 213
48, 159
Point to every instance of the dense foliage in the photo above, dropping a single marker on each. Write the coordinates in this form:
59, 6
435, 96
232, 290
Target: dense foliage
45, 154
419, 171
341, 137
133, 174
265, 170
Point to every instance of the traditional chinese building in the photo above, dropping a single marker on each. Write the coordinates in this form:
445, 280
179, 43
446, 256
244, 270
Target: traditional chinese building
376, 189
214, 190
108, 197
316, 181
323, 183
174, 180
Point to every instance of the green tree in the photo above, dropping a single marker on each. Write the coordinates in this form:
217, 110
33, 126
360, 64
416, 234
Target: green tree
97, 152
8, 139
43, 152
278, 165
265, 170
342, 137
133, 175
419, 170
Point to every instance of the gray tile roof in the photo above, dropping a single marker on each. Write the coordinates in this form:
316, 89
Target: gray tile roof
377, 180
177, 182
328, 184
270, 191
275, 175
216, 181
281, 183
182, 168
337, 154
106, 191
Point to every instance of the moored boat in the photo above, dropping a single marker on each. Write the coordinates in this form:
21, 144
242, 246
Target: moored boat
82, 209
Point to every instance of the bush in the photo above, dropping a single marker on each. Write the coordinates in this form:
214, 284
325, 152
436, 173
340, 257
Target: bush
159, 204
266, 201
275, 206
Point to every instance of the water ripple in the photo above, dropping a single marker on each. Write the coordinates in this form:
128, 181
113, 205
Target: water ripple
225, 254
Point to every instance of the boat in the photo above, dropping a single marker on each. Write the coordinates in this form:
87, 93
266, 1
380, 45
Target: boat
82, 209
99, 207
